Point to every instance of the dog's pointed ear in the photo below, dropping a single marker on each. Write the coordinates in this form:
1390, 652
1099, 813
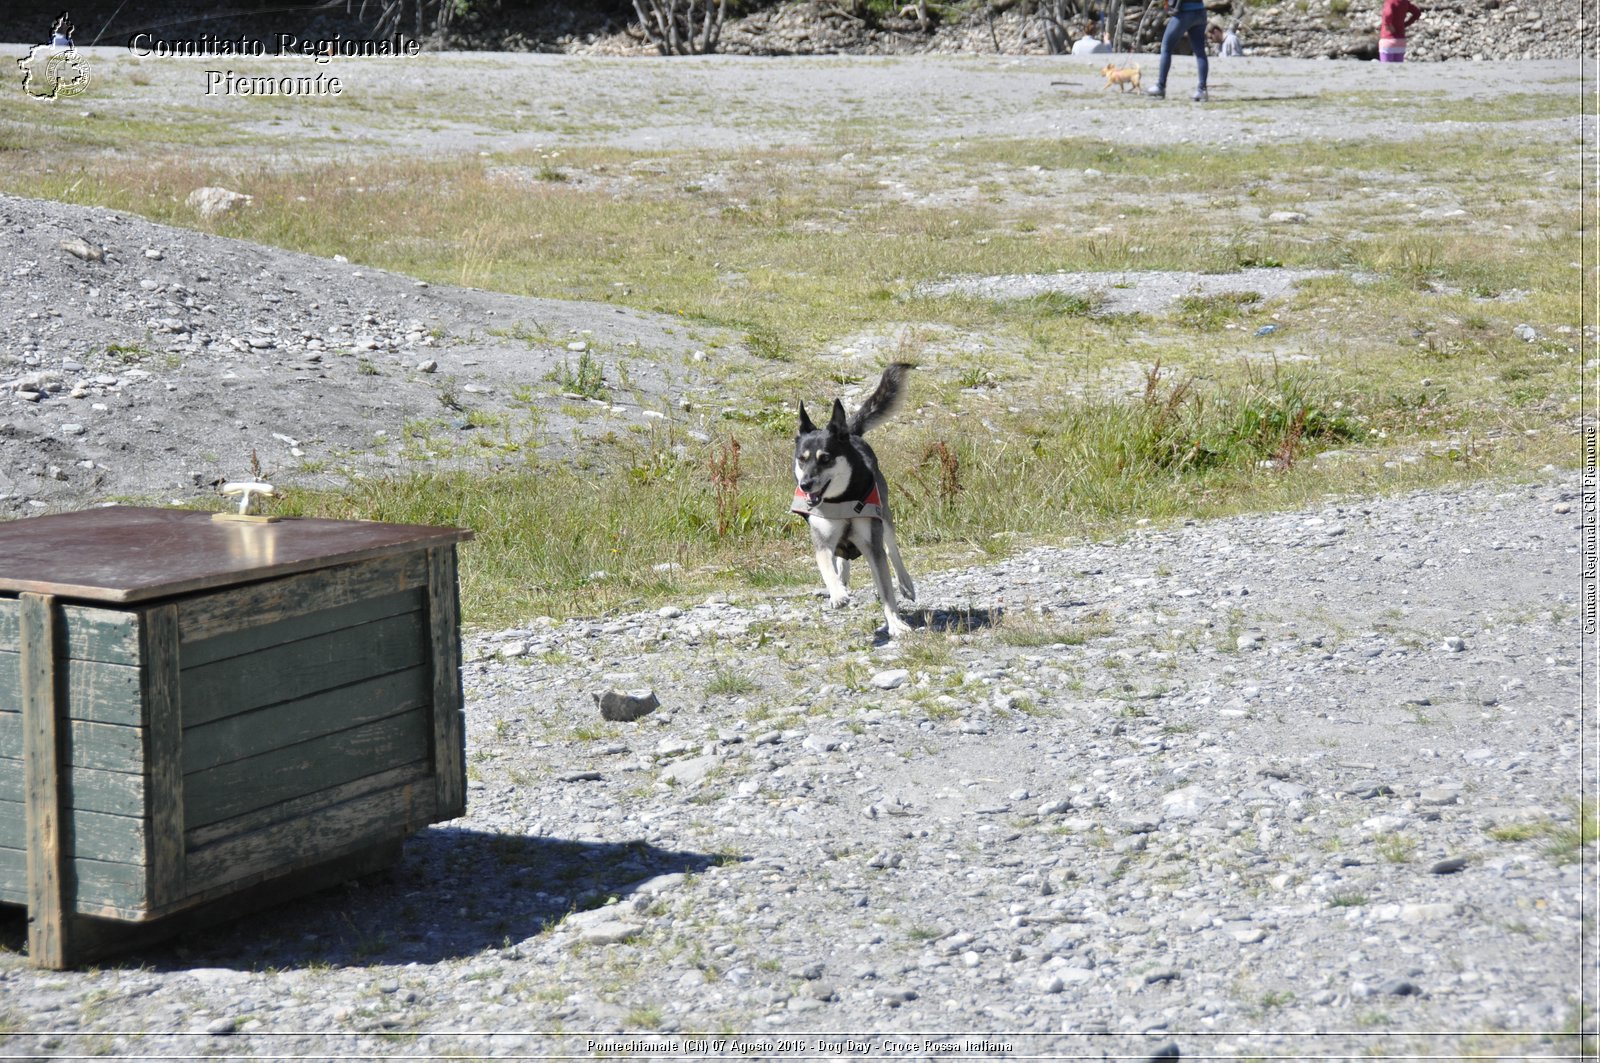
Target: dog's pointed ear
839, 422
805, 421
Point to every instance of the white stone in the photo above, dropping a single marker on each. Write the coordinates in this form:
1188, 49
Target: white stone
212, 201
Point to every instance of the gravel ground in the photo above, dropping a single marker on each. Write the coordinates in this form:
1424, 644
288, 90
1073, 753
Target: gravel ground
1261, 787
1132, 290
143, 361
453, 102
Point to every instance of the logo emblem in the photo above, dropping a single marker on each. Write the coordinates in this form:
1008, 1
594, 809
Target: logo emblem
55, 70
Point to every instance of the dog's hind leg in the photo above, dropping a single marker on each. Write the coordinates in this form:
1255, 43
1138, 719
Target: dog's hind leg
879, 565
892, 548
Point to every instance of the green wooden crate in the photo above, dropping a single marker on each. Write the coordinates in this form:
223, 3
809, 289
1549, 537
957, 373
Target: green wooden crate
193, 712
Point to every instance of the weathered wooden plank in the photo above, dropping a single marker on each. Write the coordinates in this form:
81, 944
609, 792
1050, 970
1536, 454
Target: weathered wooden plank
13, 876
107, 746
234, 899
257, 782
158, 649
298, 669
294, 628
207, 616
444, 646
94, 887
290, 723
352, 824
86, 835
13, 825
95, 690
114, 792
296, 807
97, 887
48, 933
85, 633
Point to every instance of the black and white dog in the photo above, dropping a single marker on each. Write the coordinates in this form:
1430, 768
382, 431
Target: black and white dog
841, 493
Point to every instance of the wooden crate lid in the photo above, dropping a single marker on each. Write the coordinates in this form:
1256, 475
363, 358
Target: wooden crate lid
134, 553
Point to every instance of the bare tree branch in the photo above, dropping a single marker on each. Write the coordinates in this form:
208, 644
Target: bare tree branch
682, 27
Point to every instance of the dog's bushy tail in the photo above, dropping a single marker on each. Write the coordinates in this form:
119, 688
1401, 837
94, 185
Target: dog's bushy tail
883, 401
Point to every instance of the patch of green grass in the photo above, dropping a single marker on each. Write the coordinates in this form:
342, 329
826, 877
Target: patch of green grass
1507, 107
1209, 313
1564, 840
587, 378
725, 682
1395, 848
127, 353
1063, 304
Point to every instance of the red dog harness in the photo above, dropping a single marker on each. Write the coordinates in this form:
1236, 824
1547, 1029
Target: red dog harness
842, 509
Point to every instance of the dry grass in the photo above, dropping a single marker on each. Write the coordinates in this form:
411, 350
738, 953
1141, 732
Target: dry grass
1031, 419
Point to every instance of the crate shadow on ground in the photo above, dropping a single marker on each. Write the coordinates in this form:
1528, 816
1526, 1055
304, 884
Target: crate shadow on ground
455, 893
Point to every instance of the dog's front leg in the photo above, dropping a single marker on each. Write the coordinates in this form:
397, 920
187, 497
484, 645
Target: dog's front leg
838, 593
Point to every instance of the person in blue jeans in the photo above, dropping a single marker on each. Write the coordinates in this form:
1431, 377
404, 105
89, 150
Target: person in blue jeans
1189, 20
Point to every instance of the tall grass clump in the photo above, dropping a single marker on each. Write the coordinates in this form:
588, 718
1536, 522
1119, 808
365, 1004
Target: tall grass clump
560, 540
1176, 447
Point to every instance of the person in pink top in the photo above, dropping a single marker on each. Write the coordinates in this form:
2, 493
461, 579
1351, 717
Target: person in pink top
1397, 16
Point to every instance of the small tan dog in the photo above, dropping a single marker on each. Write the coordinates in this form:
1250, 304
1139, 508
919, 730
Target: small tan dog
1121, 77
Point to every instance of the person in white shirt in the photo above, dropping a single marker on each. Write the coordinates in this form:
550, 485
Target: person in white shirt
1230, 42
1091, 42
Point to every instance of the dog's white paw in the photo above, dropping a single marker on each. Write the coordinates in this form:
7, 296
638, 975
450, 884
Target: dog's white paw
838, 601
897, 627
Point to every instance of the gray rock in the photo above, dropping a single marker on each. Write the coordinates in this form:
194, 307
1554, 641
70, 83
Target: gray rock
690, 772
625, 706
1188, 802
890, 679
1400, 987
609, 932
212, 201
78, 247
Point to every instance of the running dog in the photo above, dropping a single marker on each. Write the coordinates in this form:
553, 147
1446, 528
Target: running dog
1122, 77
841, 493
